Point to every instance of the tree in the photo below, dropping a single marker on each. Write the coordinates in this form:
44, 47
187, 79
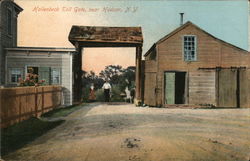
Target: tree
112, 73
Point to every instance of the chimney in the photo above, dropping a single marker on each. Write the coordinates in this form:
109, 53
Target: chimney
181, 20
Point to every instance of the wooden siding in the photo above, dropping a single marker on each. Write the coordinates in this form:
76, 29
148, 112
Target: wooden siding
18, 104
227, 88
245, 88
202, 87
149, 93
150, 66
234, 57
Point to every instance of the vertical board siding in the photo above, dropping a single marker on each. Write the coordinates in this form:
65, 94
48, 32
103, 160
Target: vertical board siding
245, 88
202, 87
150, 86
227, 88
18, 104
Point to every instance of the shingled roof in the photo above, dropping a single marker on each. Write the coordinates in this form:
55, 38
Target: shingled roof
106, 34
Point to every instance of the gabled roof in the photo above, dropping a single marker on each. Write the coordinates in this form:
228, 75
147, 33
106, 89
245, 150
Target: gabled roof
106, 34
184, 26
17, 7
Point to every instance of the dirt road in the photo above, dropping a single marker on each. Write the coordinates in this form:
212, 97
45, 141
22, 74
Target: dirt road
101, 132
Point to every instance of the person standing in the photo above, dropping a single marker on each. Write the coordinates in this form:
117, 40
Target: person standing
107, 87
92, 96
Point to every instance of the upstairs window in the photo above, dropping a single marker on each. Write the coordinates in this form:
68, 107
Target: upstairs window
189, 48
9, 21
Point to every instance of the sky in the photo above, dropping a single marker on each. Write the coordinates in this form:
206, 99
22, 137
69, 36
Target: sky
46, 23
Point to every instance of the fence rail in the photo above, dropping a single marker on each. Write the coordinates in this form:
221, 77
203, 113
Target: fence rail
21, 103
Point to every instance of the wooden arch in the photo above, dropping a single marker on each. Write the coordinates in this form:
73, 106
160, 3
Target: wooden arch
93, 36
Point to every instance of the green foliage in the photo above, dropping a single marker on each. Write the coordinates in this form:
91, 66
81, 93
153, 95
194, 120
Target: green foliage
62, 112
85, 93
118, 77
99, 95
20, 134
116, 94
31, 80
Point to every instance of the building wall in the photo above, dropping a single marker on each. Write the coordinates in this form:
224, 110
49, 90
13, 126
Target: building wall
61, 60
7, 40
211, 53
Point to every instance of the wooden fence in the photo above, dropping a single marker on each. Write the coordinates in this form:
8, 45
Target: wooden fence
21, 103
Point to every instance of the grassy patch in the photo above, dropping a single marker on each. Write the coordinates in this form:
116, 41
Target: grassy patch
20, 134
62, 112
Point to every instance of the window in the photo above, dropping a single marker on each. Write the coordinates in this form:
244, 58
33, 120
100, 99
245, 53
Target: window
9, 21
55, 74
189, 48
15, 74
47, 74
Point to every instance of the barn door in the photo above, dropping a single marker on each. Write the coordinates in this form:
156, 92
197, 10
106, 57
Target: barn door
150, 89
244, 79
227, 84
169, 88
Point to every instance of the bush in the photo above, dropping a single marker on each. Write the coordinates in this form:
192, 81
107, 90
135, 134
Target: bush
99, 95
116, 94
85, 94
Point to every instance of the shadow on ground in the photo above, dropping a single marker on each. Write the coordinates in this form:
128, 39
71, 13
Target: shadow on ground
18, 135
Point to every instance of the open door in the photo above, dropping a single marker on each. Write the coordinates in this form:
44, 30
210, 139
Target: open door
175, 87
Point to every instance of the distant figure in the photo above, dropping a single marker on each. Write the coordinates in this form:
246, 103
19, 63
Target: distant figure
107, 87
132, 94
92, 96
128, 95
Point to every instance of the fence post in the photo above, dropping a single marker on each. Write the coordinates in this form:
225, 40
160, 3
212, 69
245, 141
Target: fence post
42, 99
36, 103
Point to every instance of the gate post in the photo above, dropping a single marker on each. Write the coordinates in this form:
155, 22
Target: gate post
138, 80
77, 70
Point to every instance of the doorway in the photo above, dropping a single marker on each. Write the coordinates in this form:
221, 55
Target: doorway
174, 83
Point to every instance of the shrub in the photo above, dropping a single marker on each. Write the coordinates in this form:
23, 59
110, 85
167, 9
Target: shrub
99, 95
31, 80
116, 94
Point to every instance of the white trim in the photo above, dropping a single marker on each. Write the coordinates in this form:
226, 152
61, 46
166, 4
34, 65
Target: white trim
10, 73
71, 77
195, 45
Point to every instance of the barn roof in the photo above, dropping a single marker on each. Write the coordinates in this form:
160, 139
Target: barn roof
184, 26
106, 34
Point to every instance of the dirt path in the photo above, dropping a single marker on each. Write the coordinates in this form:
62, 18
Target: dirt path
102, 132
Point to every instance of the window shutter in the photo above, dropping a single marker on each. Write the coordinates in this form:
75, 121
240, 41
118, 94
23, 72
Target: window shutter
55, 75
44, 74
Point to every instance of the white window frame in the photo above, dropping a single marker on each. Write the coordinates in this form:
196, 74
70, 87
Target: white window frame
195, 48
10, 75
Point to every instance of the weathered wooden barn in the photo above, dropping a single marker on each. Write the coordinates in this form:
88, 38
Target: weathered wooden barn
191, 66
